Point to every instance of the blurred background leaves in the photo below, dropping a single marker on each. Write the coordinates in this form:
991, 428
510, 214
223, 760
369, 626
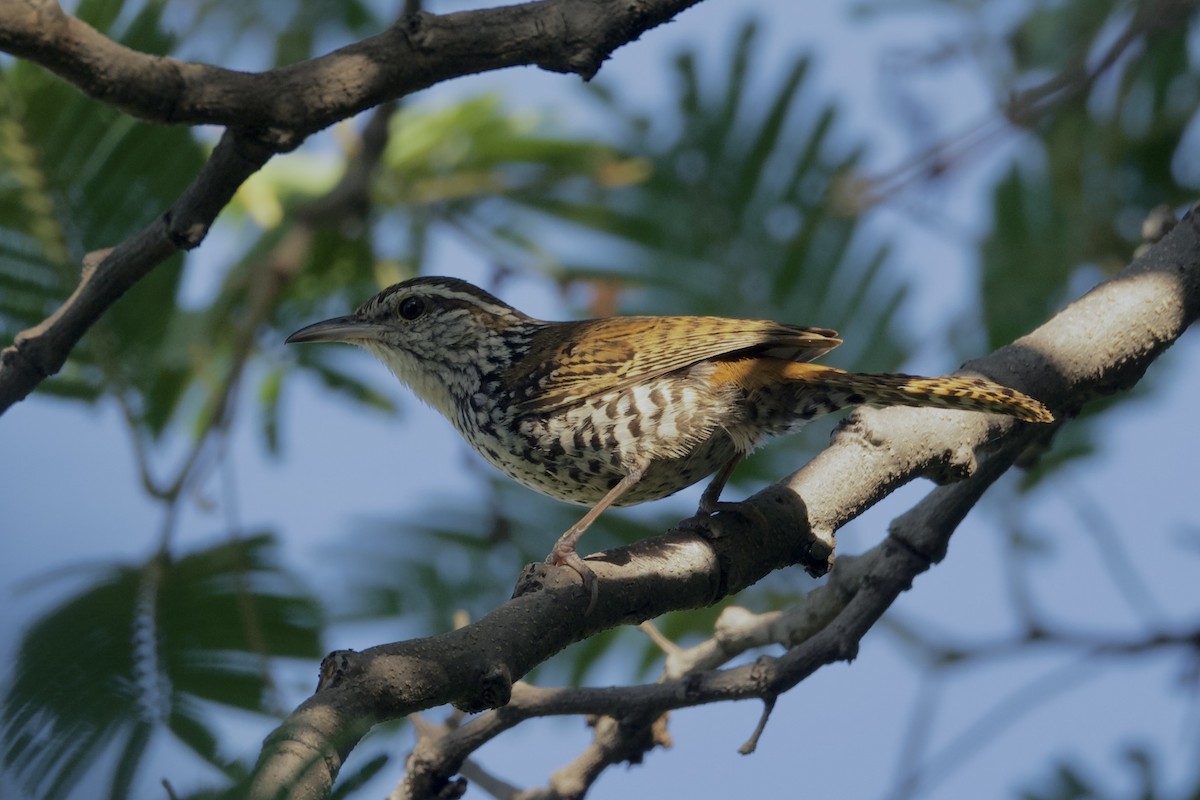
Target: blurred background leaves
152, 647
745, 194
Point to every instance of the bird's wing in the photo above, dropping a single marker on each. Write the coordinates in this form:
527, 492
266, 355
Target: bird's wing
599, 356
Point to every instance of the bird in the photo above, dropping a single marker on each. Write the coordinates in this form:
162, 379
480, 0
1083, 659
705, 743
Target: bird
622, 410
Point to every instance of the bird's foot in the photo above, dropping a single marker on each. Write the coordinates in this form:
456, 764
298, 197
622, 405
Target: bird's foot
565, 556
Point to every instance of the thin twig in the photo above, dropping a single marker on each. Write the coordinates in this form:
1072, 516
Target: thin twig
1021, 110
751, 744
666, 645
1121, 567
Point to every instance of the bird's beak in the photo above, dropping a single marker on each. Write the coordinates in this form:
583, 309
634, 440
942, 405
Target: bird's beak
338, 329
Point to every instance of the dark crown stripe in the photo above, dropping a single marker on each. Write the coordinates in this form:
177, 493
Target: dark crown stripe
447, 292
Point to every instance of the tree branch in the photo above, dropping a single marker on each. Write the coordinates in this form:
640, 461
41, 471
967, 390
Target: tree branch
1101, 343
568, 36
39, 352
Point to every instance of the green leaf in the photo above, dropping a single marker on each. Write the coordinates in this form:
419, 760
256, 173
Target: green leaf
1026, 262
129, 758
1056, 36
351, 780
270, 389
158, 638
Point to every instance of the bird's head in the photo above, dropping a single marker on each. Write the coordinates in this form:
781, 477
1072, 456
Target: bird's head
438, 335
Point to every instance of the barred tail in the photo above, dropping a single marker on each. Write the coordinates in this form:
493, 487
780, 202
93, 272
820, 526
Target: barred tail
971, 394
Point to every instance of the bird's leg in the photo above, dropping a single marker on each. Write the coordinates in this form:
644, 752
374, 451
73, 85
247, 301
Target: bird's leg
710, 502
563, 553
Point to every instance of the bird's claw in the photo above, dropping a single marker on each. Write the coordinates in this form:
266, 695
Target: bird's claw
572, 559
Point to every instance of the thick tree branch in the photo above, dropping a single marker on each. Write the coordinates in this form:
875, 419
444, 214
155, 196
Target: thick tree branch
274, 111
1101, 343
860, 590
569, 36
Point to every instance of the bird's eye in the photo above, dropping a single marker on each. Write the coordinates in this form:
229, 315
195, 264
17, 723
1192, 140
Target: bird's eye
412, 307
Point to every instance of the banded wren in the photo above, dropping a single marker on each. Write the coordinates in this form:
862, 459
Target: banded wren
621, 410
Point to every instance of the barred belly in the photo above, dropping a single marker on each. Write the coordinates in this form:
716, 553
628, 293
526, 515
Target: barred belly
668, 427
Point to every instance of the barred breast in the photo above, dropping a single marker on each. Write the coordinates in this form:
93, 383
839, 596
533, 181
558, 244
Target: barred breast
674, 427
